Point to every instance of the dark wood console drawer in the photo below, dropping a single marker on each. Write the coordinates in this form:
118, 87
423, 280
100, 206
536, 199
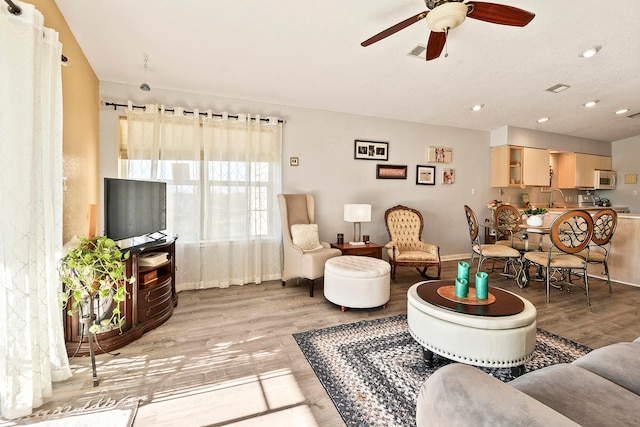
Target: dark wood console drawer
157, 293
159, 308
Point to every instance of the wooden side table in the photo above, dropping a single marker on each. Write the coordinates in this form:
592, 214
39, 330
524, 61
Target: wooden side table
370, 249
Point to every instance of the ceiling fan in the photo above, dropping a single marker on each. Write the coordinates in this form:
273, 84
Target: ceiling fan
445, 15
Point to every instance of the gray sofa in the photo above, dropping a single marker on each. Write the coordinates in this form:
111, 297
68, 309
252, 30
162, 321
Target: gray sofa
601, 388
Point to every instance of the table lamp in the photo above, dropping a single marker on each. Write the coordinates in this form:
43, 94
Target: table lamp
357, 213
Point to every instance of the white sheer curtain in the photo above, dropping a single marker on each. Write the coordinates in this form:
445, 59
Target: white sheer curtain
165, 146
32, 349
242, 178
222, 180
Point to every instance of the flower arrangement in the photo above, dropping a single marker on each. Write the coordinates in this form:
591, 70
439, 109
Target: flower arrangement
531, 210
494, 204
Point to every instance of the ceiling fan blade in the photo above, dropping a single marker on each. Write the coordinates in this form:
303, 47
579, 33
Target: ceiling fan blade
394, 29
435, 44
500, 14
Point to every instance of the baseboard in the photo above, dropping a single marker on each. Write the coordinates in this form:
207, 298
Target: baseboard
454, 257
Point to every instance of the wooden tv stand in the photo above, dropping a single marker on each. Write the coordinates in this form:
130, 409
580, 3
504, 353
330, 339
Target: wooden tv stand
149, 303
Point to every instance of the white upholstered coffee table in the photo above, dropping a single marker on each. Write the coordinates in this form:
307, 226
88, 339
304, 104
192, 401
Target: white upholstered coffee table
498, 335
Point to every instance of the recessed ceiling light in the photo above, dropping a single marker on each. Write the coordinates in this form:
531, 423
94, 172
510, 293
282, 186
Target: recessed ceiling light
477, 107
558, 88
622, 111
590, 52
543, 119
590, 103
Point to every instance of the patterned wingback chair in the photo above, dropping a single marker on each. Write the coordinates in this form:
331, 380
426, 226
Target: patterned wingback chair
404, 226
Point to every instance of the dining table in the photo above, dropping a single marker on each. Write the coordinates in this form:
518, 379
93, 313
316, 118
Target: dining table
525, 230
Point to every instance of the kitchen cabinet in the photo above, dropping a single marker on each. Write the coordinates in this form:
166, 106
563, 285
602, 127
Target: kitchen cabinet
514, 166
575, 170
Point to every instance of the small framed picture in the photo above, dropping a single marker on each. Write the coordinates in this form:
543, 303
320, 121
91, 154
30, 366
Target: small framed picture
371, 150
448, 176
426, 175
391, 172
440, 154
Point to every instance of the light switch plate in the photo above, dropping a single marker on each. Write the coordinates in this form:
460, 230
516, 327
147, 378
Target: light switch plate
293, 161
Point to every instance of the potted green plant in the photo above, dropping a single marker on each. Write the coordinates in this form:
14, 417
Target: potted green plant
94, 269
534, 216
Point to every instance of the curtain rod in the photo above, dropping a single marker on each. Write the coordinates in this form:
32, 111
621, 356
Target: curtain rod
17, 10
171, 110
13, 8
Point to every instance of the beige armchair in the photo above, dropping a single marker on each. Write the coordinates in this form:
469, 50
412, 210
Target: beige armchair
304, 254
406, 249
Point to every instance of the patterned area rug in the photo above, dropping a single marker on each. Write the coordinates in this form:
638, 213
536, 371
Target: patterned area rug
373, 369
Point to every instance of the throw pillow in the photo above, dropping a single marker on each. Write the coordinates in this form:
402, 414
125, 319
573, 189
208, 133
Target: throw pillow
305, 236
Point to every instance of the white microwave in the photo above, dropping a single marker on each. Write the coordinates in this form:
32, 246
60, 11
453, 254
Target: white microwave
604, 180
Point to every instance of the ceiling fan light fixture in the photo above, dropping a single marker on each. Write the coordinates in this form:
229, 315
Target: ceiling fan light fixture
446, 16
543, 119
622, 111
590, 103
590, 52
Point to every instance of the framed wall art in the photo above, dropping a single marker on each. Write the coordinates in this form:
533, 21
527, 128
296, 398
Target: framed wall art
448, 176
391, 172
371, 150
440, 154
425, 175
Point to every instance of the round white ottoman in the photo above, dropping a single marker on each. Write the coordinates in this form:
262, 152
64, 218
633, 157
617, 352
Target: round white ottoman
357, 281
497, 342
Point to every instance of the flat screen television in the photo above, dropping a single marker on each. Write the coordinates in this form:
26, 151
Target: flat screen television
134, 208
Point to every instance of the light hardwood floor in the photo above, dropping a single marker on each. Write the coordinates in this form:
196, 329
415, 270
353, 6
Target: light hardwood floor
227, 356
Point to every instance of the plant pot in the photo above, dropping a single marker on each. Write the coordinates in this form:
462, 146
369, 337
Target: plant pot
535, 220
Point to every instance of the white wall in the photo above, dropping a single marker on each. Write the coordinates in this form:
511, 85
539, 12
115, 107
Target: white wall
324, 143
626, 160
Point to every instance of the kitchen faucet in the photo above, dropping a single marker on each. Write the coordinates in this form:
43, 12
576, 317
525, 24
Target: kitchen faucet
551, 196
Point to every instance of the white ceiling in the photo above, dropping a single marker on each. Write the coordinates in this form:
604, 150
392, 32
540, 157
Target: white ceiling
307, 54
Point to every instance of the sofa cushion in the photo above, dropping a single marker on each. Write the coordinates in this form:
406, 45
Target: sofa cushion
305, 236
462, 395
619, 363
581, 395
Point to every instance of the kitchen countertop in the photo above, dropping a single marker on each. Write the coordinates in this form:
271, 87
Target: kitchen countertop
567, 206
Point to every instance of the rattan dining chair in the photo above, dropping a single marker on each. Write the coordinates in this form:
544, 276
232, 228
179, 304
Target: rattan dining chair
489, 251
570, 235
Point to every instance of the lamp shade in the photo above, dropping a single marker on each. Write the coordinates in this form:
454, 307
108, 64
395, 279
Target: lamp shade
357, 213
